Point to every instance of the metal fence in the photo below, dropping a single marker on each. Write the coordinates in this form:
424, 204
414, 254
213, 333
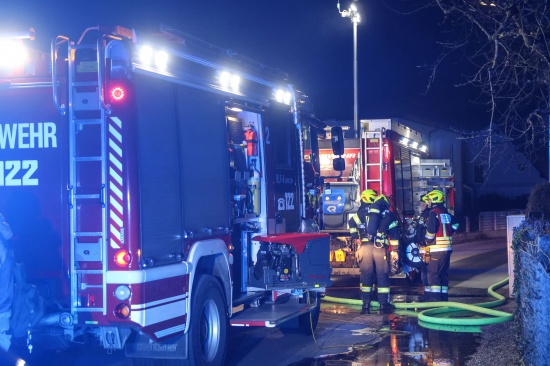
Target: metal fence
495, 220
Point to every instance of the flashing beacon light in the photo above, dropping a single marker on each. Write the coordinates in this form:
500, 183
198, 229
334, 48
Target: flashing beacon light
117, 94
122, 258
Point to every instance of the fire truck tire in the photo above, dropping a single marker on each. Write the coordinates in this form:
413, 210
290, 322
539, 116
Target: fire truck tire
308, 321
209, 323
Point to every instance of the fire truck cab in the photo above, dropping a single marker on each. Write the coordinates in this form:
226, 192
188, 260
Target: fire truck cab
156, 188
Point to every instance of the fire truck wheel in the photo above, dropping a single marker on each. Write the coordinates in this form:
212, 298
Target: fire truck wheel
209, 322
308, 321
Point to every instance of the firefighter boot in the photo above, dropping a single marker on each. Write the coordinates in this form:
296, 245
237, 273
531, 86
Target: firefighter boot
387, 308
425, 297
444, 293
433, 297
365, 309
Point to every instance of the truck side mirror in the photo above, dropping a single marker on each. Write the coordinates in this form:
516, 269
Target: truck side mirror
337, 140
339, 164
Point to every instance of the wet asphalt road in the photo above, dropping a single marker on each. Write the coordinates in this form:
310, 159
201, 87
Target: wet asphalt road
344, 337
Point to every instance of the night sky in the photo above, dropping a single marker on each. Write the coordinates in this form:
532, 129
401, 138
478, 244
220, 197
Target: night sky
308, 39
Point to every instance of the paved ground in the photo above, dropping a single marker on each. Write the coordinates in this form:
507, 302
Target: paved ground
498, 344
344, 337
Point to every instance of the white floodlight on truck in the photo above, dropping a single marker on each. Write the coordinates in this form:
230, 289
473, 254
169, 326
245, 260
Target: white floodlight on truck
151, 57
282, 96
146, 55
235, 82
12, 53
161, 59
229, 81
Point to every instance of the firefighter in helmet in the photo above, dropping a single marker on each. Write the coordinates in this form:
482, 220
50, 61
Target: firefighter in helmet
357, 228
382, 233
437, 256
421, 224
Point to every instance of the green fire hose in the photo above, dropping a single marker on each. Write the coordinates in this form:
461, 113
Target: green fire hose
439, 315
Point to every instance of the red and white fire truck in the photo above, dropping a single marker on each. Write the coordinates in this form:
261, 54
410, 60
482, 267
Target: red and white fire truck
156, 188
392, 159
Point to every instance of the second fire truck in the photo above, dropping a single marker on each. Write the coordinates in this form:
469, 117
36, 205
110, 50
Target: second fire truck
392, 159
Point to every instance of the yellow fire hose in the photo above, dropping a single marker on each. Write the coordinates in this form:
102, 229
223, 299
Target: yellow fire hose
464, 320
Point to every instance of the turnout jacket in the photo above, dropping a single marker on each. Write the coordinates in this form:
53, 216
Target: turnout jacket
440, 228
358, 222
383, 223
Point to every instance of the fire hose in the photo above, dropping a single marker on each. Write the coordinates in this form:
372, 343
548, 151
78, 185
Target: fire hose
439, 315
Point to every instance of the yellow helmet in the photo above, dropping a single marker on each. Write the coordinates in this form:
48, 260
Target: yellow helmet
425, 198
436, 196
368, 195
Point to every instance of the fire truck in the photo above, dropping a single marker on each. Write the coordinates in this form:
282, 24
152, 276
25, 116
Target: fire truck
156, 188
392, 159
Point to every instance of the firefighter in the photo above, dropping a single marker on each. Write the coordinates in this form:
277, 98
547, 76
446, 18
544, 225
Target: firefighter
439, 232
421, 223
357, 229
382, 231
357, 224
6, 285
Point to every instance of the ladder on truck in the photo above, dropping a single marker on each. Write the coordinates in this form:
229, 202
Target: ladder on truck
87, 172
372, 163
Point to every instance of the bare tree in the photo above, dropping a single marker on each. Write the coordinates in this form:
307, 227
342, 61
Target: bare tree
507, 44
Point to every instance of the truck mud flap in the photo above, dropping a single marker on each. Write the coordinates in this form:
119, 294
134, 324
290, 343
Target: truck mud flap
141, 346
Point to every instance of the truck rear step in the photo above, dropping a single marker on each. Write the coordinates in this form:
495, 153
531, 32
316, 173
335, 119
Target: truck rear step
269, 315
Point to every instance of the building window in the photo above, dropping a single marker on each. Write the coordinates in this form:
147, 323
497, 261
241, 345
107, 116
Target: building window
479, 173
